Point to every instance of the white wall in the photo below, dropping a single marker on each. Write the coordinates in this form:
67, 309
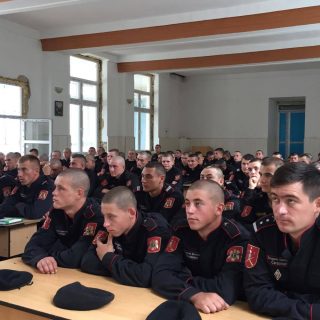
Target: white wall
232, 110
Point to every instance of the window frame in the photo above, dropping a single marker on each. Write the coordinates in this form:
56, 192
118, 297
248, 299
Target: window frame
87, 103
140, 110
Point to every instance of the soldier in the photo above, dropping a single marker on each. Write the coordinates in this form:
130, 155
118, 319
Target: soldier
241, 178
118, 177
69, 228
156, 195
232, 203
173, 174
157, 149
193, 170
31, 198
282, 260
203, 260
143, 158
133, 244
131, 160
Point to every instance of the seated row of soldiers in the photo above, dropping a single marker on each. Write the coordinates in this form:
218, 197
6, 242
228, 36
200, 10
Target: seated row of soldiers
201, 256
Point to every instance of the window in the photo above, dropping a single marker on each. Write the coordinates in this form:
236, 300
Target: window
84, 102
143, 111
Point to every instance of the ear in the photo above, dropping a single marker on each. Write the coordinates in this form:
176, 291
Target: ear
317, 205
132, 212
220, 208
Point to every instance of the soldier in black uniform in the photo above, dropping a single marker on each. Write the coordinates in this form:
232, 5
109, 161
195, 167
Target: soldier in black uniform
143, 158
241, 178
231, 202
131, 160
193, 170
157, 149
31, 198
177, 159
281, 276
134, 241
69, 228
9, 178
255, 200
173, 174
156, 195
118, 176
203, 260
79, 161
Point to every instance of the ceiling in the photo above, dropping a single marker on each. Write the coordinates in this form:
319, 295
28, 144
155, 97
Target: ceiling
185, 36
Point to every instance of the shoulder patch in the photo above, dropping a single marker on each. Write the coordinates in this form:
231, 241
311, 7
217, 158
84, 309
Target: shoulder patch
172, 244
154, 244
229, 206
252, 256
90, 229
230, 228
264, 222
246, 211
43, 195
168, 189
169, 203
234, 254
149, 223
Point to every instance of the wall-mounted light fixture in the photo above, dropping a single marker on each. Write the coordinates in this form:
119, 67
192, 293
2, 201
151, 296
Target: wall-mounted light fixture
58, 89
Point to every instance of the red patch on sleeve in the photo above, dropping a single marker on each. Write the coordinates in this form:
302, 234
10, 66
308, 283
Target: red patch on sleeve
47, 221
252, 256
154, 244
90, 229
246, 211
43, 195
229, 205
101, 235
172, 244
6, 191
104, 182
234, 254
169, 203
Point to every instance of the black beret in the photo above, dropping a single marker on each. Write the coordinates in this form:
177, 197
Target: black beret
12, 279
175, 310
75, 296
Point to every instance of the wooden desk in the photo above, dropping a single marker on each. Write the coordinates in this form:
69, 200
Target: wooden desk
14, 237
34, 302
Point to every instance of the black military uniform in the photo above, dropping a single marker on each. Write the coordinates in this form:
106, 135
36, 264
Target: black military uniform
232, 206
191, 265
279, 280
134, 254
192, 175
29, 202
64, 239
167, 203
7, 182
174, 178
130, 164
154, 157
241, 180
254, 205
137, 172
108, 182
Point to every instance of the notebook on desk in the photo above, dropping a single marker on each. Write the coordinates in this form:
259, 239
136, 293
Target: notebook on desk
10, 220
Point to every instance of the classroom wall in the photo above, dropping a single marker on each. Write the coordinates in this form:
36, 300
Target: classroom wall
232, 111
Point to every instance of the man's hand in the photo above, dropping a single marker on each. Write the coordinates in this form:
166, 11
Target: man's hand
47, 265
253, 182
103, 248
209, 302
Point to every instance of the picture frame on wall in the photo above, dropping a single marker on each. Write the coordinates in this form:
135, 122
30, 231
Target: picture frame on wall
58, 108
